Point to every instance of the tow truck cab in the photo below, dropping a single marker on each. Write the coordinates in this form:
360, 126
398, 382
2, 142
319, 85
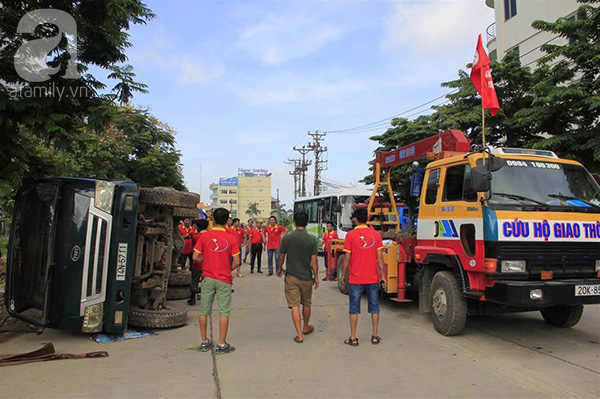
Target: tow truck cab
524, 235
70, 244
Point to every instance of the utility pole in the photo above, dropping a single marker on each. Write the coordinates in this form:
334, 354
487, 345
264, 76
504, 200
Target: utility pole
320, 162
303, 168
295, 163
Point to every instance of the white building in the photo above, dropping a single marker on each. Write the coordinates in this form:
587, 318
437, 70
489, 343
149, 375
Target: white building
513, 30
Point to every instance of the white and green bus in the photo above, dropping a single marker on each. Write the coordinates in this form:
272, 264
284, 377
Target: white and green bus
331, 206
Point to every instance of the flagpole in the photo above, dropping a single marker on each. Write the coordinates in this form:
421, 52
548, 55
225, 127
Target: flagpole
483, 125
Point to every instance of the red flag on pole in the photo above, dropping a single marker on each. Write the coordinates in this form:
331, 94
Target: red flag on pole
481, 76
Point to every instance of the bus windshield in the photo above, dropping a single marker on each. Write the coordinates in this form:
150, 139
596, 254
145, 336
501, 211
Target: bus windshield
545, 185
347, 203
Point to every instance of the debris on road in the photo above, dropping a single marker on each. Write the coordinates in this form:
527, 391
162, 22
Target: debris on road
131, 334
47, 352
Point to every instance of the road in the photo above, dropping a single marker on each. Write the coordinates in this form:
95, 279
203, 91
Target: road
501, 356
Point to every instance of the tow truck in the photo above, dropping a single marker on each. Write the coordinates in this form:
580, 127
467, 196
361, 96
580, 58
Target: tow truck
498, 230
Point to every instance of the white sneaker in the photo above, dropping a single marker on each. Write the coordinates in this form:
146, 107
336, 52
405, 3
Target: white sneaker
240, 275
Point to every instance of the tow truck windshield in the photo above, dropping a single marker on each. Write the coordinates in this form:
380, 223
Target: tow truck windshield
547, 185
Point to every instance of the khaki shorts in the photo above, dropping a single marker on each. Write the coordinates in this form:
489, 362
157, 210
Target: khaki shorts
210, 288
298, 292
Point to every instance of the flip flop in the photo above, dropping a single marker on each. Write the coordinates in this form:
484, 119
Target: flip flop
351, 342
375, 339
298, 340
310, 330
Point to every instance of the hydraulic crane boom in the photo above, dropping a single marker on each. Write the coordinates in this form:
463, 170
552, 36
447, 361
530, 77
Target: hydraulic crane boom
385, 214
447, 141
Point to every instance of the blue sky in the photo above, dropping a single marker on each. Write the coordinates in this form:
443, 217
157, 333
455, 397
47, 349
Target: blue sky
243, 81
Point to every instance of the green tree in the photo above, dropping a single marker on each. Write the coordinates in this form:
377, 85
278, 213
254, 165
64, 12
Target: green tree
252, 210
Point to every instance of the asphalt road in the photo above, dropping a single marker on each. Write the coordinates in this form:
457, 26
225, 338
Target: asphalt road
502, 356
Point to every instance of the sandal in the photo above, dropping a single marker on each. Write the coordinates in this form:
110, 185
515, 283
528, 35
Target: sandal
310, 330
351, 342
375, 339
298, 340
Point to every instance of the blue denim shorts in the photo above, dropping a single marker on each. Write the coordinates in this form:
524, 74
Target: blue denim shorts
355, 291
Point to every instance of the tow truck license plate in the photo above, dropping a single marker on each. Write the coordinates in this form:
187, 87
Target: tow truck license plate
587, 290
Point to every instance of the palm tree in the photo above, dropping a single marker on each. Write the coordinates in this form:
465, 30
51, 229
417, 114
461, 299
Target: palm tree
252, 210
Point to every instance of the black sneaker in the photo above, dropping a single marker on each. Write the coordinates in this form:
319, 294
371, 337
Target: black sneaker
269, 274
251, 271
259, 271
205, 346
223, 349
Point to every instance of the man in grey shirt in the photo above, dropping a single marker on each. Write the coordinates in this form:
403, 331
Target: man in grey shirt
301, 273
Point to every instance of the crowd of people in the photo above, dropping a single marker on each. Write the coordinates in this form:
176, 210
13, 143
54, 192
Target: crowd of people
213, 252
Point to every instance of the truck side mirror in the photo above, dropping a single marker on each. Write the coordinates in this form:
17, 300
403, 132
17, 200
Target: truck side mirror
481, 179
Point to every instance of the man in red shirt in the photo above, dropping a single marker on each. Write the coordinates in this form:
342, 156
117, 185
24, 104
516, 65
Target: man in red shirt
249, 226
196, 268
219, 253
363, 247
240, 236
187, 232
256, 249
273, 235
329, 235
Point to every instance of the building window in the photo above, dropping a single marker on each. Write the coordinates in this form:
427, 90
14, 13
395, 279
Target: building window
223, 201
457, 184
510, 9
233, 201
223, 191
232, 191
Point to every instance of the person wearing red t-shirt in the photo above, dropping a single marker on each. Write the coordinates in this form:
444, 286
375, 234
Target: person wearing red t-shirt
219, 253
240, 235
187, 232
329, 235
363, 247
272, 235
256, 248
248, 227
196, 268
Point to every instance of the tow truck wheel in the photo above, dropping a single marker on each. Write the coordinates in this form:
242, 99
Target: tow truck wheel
564, 316
167, 318
449, 307
343, 287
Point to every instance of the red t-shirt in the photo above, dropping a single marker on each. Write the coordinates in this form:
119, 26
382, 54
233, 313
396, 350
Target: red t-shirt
197, 265
274, 236
327, 237
238, 233
255, 235
363, 243
217, 247
188, 242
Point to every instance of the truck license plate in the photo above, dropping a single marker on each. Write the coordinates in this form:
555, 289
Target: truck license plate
122, 261
587, 290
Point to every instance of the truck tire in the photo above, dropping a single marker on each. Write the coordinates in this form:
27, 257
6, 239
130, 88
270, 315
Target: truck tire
168, 197
343, 287
180, 278
449, 307
191, 213
564, 316
167, 318
177, 293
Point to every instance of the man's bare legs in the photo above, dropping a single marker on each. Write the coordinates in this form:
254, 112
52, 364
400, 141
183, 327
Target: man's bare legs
353, 323
375, 321
306, 316
223, 327
203, 323
297, 321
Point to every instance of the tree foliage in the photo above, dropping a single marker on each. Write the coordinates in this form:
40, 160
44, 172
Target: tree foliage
84, 131
555, 107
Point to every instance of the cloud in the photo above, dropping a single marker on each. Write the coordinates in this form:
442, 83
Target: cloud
288, 34
189, 68
196, 71
436, 28
256, 139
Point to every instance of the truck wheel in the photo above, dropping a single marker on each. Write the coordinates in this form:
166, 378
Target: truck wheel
177, 293
564, 316
449, 307
168, 197
191, 213
180, 278
342, 287
167, 318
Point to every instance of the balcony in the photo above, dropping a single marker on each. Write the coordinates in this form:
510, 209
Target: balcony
490, 34
489, 3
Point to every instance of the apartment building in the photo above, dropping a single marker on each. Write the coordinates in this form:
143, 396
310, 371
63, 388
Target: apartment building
512, 28
237, 193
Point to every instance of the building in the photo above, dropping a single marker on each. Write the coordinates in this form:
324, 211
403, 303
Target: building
237, 193
513, 31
